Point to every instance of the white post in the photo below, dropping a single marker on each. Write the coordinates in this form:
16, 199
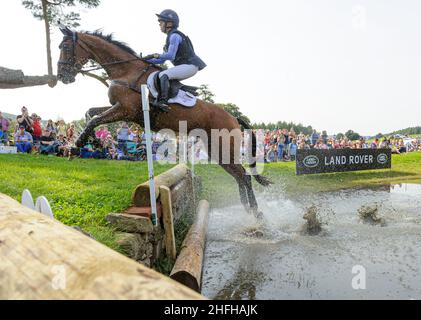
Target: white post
148, 137
193, 152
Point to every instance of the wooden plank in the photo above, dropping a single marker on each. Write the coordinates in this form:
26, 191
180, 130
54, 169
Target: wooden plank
41, 258
188, 267
141, 196
168, 219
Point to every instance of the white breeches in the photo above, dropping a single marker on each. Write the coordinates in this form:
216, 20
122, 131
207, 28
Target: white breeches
181, 72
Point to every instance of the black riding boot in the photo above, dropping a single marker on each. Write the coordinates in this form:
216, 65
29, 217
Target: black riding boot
162, 101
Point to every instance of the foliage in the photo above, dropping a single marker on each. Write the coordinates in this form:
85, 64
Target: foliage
205, 94
340, 136
56, 10
234, 110
408, 131
351, 135
284, 125
379, 136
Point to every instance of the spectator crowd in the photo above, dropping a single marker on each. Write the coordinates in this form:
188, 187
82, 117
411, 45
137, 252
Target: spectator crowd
58, 138
282, 144
30, 135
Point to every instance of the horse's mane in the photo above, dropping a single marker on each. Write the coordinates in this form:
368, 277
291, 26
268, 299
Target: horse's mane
109, 38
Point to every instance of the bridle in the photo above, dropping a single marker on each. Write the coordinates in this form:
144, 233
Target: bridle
77, 66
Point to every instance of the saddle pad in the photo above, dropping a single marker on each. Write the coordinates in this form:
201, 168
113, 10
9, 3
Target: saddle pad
183, 98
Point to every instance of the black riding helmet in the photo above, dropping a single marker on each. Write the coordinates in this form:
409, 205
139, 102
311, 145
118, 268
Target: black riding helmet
169, 16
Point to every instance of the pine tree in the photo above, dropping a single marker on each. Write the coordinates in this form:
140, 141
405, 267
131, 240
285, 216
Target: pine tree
54, 12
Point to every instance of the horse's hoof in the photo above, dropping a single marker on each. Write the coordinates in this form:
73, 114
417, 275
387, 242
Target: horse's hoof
257, 213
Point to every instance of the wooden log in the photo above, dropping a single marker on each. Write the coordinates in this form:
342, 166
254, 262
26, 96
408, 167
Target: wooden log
40, 258
188, 266
14, 79
141, 196
168, 222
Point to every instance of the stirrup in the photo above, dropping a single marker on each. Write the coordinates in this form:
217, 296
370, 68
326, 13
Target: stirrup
161, 105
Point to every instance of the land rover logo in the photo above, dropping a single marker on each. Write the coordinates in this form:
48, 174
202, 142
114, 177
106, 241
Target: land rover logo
382, 158
311, 161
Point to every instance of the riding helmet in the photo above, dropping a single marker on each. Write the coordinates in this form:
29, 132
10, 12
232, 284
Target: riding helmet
169, 16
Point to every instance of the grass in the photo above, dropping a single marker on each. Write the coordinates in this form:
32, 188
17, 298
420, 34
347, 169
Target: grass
82, 192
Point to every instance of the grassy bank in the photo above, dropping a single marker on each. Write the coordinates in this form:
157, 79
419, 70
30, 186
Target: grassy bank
81, 192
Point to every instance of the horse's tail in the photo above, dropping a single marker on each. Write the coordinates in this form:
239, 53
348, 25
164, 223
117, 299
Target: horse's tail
259, 178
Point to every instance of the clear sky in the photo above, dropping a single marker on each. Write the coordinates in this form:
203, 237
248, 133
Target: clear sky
335, 65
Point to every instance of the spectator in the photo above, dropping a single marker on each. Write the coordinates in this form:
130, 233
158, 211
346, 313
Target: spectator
110, 147
4, 128
102, 133
47, 143
292, 150
62, 146
51, 127
122, 137
36, 128
281, 144
61, 128
25, 120
23, 140
133, 133
314, 137
70, 134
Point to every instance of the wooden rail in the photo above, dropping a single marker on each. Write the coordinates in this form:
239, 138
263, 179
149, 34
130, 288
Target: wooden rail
41, 258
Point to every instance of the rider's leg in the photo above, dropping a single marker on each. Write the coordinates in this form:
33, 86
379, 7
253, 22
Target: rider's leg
180, 72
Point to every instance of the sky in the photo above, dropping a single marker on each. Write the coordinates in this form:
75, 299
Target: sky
335, 65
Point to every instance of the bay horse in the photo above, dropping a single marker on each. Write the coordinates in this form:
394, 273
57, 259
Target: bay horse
127, 71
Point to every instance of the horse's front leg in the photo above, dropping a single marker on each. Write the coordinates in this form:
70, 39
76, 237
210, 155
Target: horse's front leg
113, 114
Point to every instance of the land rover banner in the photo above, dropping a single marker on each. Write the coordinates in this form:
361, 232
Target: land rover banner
339, 160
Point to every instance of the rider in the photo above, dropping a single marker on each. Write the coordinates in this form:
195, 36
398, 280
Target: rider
179, 50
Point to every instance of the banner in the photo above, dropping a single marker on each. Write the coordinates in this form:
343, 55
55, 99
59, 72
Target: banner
340, 160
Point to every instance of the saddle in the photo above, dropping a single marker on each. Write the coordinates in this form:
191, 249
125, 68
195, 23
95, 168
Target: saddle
175, 86
179, 93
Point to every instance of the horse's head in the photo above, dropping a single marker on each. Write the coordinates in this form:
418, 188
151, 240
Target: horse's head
72, 56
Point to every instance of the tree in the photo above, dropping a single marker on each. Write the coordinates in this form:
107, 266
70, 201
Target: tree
234, 110
351, 135
53, 12
205, 94
340, 136
379, 135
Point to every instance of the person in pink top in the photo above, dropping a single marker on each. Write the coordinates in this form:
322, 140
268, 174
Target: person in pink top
102, 133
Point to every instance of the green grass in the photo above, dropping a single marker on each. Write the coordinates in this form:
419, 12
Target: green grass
82, 192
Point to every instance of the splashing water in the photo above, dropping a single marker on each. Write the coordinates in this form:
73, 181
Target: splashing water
287, 263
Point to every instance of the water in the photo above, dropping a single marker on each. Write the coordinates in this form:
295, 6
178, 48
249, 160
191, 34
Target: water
288, 262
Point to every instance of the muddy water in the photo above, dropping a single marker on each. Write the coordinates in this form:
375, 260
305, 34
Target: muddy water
289, 262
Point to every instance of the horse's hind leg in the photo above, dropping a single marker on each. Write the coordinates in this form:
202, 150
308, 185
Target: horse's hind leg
112, 114
233, 170
247, 196
92, 112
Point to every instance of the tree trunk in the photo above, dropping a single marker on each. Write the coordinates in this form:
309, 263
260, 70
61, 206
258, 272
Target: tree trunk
53, 80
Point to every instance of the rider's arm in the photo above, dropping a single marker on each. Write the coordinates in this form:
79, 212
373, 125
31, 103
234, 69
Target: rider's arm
175, 41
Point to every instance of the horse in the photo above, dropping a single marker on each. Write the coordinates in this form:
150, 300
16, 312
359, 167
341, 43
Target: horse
127, 72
